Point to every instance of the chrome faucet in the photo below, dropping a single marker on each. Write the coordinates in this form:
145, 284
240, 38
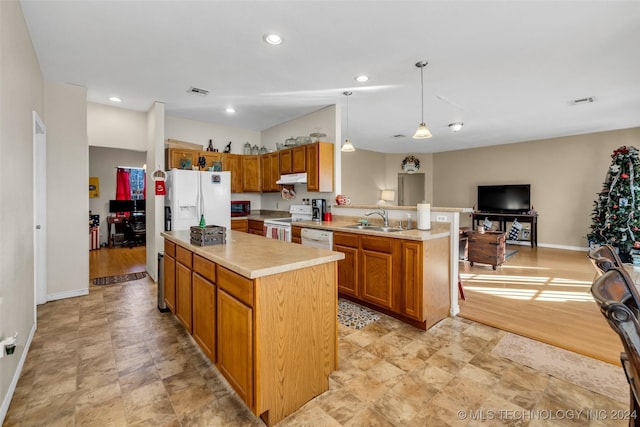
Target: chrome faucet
383, 213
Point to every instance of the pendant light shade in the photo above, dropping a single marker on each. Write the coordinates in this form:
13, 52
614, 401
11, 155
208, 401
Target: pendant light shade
347, 147
423, 131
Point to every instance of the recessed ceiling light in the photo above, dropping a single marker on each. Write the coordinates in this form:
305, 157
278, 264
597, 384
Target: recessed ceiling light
230, 110
272, 39
114, 99
362, 78
455, 127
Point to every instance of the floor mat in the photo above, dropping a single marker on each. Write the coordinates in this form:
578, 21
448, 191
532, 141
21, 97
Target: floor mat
355, 316
110, 280
592, 374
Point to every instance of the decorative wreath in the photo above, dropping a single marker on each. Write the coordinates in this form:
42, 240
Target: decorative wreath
410, 162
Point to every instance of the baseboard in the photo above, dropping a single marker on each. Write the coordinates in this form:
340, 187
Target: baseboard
16, 375
550, 245
68, 294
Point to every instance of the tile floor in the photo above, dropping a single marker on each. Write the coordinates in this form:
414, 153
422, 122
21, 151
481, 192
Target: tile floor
111, 358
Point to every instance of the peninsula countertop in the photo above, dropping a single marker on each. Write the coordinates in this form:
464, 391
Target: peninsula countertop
254, 256
437, 231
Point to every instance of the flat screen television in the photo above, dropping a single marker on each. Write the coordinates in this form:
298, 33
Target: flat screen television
513, 199
121, 206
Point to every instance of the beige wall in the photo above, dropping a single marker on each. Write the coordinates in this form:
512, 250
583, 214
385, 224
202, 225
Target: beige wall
200, 133
21, 92
65, 116
155, 137
565, 175
115, 127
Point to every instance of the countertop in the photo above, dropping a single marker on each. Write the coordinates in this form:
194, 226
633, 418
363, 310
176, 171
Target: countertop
438, 229
254, 256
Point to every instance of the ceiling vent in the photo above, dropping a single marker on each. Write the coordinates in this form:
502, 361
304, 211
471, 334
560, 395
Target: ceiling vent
198, 91
583, 101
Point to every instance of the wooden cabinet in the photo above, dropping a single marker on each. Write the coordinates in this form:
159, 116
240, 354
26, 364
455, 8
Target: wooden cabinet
487, 247
170, 275
233, 164
204, 305
299, 159
235, 332
184, 292
286, 161
251, 175
296, 234
319, 166
270, 171
180, 158
210, 157
240, 224
379, 271
256, 226
406, 279
348, 268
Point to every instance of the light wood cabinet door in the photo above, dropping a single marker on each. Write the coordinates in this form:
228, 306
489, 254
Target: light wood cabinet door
349, 267
170, 281
210, 157
184, 296
256, 227
233, 164
319, 166
240, 225
204, 315
378, 272
180, 158
412, 290
270, 171
235, 344
251, 174
299, 159
286, 161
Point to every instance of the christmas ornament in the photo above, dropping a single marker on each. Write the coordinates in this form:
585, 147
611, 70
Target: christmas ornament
624, 176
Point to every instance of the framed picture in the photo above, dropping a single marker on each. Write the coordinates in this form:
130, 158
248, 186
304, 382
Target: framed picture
525, 234
94, 187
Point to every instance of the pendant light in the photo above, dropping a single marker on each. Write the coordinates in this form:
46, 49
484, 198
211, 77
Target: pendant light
347, 147
422, 132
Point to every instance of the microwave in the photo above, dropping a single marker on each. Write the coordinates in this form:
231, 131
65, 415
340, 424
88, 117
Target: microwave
240, 208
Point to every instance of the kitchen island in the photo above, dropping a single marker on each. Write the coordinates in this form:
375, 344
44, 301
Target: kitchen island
264, 311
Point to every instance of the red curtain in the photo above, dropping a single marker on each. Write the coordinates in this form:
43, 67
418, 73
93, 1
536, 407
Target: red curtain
123, 188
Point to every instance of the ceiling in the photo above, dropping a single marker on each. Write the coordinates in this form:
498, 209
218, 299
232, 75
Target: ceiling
507, 70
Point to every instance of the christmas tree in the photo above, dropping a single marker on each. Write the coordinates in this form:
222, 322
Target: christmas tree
616, 213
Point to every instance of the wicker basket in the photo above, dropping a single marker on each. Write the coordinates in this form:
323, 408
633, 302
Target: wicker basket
209, 235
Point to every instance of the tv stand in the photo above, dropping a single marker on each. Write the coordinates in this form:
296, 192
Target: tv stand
504, 218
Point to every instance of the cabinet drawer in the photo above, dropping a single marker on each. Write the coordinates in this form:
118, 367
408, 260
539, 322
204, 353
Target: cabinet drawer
183, 256
378, 244
170, 248
345, 239
236, 285
205, 268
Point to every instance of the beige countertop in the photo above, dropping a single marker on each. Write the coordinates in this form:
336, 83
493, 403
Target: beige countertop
254, 256
437, 231
403, 208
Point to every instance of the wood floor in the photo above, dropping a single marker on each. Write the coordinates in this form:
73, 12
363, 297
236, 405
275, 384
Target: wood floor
114, 261
541, 293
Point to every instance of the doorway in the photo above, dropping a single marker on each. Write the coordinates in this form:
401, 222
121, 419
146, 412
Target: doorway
39, 210
410, 189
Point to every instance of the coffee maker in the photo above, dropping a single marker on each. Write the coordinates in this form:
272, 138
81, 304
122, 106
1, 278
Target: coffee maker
318, 207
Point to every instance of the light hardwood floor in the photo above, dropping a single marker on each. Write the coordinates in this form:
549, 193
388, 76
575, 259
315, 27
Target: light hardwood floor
543, 294
115, 261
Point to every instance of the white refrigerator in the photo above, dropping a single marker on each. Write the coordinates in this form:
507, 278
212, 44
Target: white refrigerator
191, 194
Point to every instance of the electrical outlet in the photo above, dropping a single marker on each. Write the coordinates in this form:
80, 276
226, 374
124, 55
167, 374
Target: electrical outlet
441, 218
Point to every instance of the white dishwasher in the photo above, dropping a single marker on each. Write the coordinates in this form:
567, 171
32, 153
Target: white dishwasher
322, 239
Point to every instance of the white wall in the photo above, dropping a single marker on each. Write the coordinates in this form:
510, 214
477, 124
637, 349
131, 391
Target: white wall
65, 115
115, 127
21, 92
201, 132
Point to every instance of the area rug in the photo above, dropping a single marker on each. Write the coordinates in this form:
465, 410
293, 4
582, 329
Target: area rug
591, 374
355, 316
110, 280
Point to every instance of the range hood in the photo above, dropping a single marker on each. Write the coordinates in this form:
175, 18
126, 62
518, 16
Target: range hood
293, 178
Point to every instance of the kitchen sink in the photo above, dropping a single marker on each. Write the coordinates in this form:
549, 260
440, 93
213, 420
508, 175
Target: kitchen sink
373, 228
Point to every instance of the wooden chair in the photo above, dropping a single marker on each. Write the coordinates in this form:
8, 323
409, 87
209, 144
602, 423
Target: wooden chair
604, 258
617, 296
